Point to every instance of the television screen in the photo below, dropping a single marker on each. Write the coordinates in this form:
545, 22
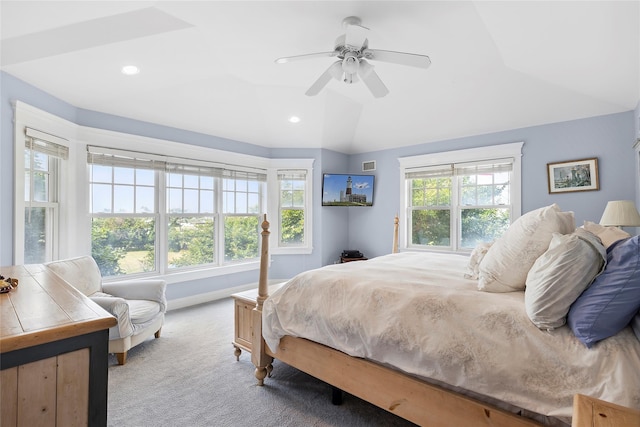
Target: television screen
347, 189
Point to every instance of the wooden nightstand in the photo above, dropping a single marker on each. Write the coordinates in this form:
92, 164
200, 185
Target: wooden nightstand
591, 412
244, 303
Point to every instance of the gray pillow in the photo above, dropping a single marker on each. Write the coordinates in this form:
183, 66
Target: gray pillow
560, 275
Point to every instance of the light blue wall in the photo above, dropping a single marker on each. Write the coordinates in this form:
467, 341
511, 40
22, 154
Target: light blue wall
609, 138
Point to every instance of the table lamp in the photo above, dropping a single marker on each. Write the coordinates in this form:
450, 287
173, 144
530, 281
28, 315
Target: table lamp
620, 213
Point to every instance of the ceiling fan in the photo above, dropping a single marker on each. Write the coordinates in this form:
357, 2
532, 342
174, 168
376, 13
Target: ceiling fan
352, 48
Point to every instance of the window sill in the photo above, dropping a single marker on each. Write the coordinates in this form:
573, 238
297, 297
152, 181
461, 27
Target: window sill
291, 251
196, 274
435, 249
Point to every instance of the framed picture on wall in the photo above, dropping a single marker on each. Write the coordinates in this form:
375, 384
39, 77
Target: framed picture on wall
574, 175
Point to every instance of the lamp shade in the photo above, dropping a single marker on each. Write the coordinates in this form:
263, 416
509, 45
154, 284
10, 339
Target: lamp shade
620, 213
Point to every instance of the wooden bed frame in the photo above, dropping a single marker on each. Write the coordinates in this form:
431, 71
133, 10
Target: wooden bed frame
397, 392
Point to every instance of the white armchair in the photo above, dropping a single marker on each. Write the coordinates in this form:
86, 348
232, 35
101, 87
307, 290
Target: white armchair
139, 305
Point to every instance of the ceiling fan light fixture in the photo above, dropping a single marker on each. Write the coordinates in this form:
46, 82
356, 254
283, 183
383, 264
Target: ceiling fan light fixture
350, 63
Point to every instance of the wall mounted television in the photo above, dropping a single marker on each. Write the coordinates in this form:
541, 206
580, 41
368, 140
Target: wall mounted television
341, 189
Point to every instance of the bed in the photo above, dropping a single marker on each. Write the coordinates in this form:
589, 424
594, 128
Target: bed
489, 356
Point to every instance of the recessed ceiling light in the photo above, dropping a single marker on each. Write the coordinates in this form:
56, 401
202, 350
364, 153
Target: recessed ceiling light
130, 70
294, 119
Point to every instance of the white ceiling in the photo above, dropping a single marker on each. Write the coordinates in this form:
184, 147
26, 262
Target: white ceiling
208, 66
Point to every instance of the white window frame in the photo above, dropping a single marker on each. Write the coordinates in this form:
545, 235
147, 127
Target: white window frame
513, 150
61, 132
273, 191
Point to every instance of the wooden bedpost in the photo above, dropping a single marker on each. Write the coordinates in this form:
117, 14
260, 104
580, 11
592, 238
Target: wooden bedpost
395, 235
259, 357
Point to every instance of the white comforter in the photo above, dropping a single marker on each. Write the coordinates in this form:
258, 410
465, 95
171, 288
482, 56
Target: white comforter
418, 313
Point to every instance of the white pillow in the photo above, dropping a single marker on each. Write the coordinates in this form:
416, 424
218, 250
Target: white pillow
475, 258
559, 276
608, 235
505, 266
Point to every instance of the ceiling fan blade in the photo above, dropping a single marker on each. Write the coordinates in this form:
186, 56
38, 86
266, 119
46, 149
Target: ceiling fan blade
371, 79
402, 58
334, 71
355, 36
306, 56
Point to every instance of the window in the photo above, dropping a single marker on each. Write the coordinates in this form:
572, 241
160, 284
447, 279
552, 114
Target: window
153, 214
123, 214
455, 200
190, 214
290, 198
42, 167
292, 184
485, 204
242, 205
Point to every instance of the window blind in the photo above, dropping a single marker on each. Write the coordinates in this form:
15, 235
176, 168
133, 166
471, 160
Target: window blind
243, 175
467, 168
439, 171
193, 170
132, 159
295, 175
476, 168
45, 143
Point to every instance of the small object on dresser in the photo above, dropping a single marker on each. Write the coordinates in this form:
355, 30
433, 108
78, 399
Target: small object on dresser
7, 284
351, 254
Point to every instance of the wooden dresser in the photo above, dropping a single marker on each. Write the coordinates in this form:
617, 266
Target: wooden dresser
54, 352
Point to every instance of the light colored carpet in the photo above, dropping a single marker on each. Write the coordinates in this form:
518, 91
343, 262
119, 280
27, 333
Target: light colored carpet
189, 377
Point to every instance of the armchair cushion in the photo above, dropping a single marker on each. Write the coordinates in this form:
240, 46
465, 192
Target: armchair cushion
149, 289
141, 311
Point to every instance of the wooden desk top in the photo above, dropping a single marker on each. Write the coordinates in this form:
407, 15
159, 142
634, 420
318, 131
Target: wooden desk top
251, 295
44, 308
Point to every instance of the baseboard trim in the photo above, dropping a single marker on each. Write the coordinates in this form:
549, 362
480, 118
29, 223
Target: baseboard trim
178, 303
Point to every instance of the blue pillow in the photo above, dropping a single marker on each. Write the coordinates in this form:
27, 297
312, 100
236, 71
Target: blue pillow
613, 299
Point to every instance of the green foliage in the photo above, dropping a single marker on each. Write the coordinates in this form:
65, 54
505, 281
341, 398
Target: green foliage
431, 192
431, 227
241, 237
292, 228
113, 237
193, 238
